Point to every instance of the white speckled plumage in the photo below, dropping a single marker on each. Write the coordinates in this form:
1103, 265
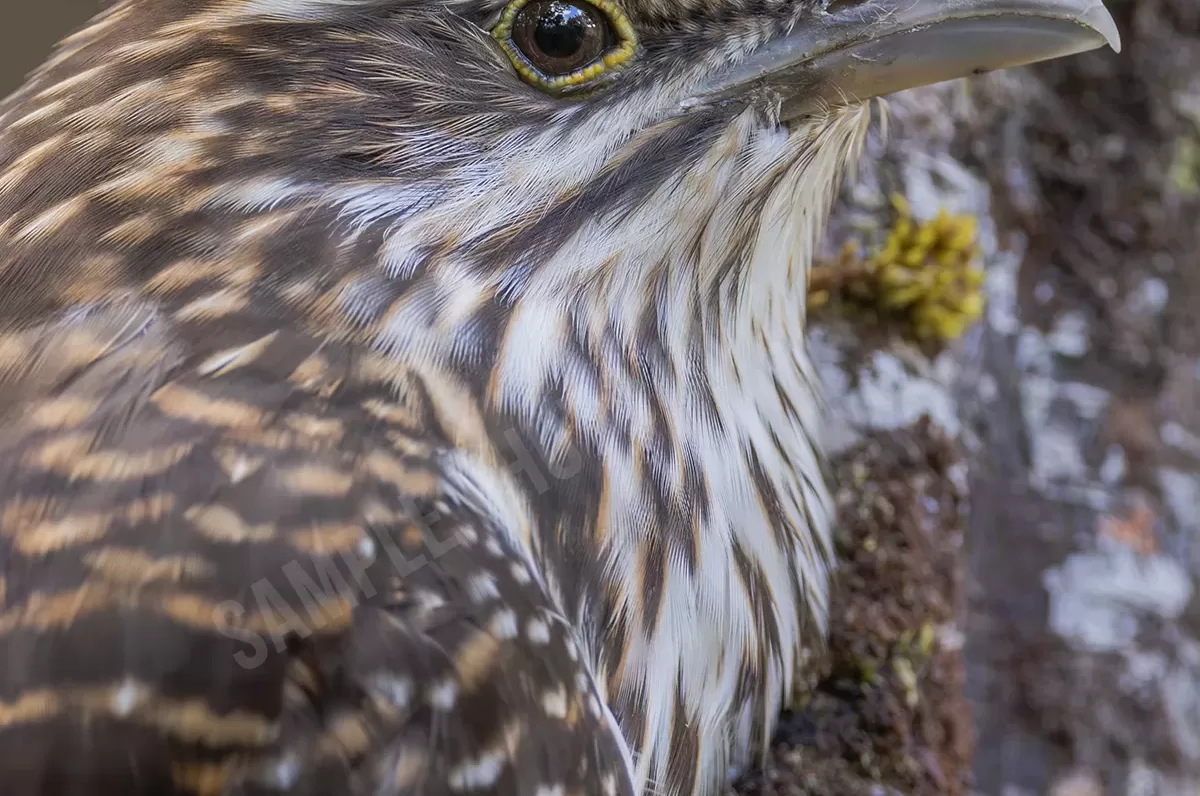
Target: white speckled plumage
374, 423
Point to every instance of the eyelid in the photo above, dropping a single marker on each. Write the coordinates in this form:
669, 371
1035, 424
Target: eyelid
612, 58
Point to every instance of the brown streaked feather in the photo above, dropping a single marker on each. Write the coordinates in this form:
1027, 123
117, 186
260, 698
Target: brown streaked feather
279, 280
216, 588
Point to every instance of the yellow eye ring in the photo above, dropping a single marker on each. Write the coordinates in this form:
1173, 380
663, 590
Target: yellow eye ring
562, 46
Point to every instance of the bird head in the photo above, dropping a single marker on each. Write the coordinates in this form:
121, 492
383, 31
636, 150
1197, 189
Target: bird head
521, 147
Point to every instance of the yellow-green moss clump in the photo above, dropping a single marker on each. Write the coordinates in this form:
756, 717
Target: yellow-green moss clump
924, 274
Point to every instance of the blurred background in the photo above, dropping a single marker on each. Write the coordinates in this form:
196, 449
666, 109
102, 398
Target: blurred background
30, 28
1053, 557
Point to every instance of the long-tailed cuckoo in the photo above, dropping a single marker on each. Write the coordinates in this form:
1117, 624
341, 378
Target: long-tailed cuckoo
411, 397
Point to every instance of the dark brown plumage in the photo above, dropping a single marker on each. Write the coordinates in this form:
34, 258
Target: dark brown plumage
377, 419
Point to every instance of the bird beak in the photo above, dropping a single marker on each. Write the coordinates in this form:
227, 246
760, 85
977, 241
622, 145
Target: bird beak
859, 49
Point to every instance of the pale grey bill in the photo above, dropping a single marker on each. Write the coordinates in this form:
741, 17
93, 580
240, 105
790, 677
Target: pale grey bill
859, 50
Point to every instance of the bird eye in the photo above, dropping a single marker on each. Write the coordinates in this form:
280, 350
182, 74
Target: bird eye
560, 45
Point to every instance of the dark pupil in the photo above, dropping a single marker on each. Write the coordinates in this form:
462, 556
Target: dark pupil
561, 29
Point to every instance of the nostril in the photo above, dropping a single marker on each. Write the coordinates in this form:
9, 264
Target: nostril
833, 6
